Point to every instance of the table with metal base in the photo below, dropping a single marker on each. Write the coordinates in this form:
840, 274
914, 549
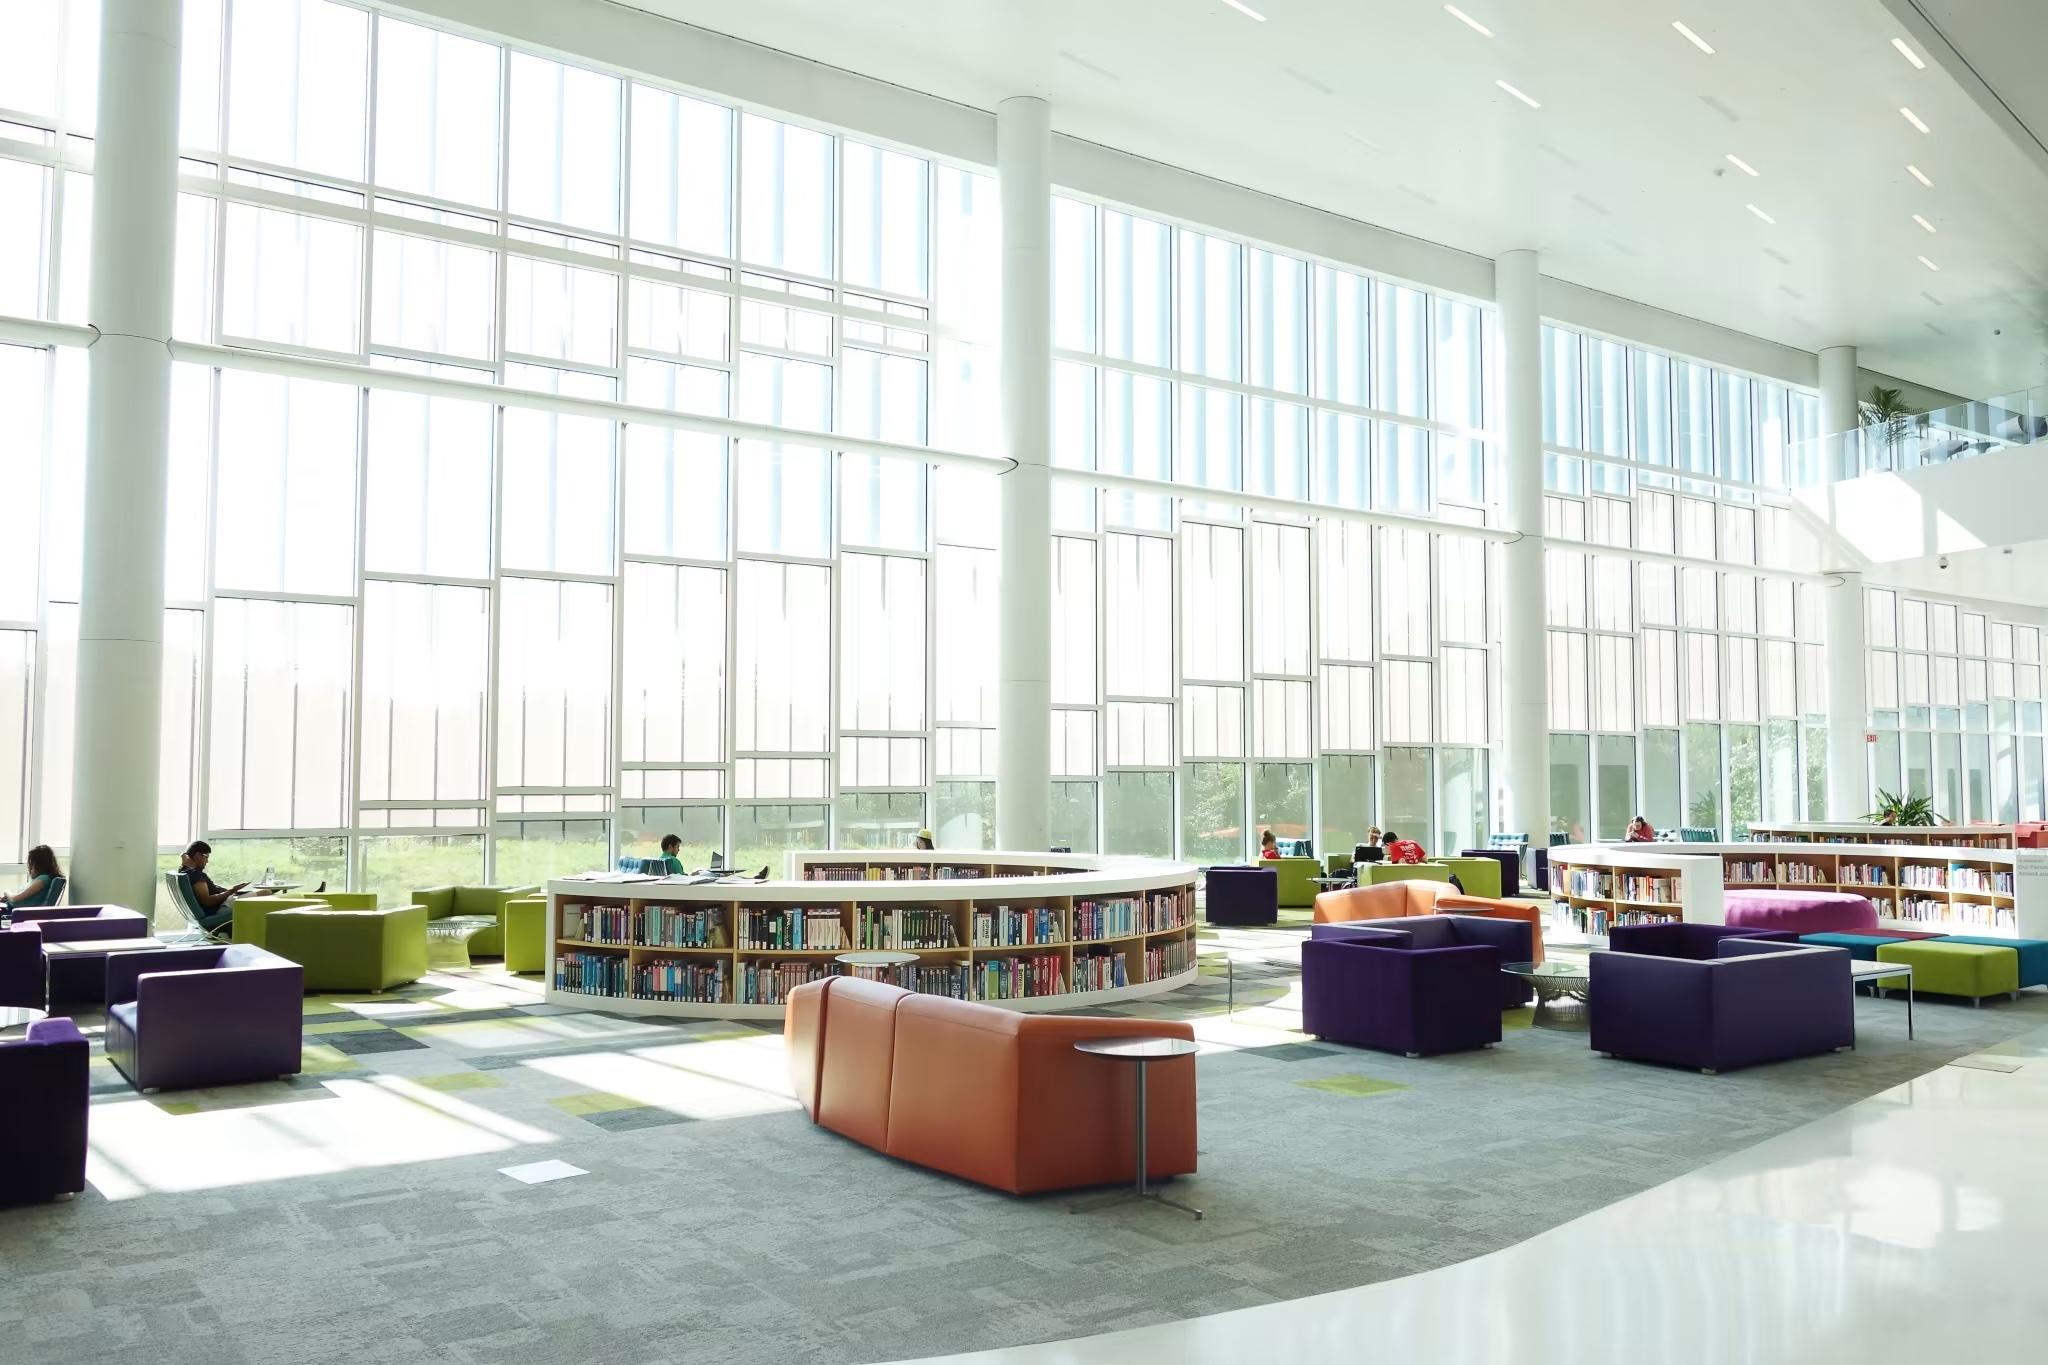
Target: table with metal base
19, 1016
448, 938
1864, 970
1142, 1052
876, 964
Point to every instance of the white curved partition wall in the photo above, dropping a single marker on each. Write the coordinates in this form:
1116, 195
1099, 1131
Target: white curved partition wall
1029, 931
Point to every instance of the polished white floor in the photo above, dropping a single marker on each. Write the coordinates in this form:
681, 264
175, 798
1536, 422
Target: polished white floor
1912, 1226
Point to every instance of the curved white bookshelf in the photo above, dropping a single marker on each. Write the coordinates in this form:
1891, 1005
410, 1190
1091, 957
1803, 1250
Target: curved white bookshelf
601, 926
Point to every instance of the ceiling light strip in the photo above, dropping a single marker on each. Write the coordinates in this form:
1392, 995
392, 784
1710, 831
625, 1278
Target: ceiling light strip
1761, 214
1912, 118
1245, 10
1919, 175
1739, 164
1929, 264
1909, 54
1533, 104
1468, 21
1923, 222
1701, 43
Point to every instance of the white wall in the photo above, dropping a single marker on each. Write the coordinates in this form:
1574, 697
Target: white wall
1992, 499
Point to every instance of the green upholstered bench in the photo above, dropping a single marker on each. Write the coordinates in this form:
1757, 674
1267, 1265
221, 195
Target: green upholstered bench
2032, 955
526, 934
1372, 874
252, 912
1949, 968
353, 950
445, 901
1478, 876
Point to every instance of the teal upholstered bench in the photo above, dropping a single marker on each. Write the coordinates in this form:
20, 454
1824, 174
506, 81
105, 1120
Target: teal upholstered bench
2031, 952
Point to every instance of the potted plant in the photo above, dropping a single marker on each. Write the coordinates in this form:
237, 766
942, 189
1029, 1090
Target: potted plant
1908, 811
1888, 412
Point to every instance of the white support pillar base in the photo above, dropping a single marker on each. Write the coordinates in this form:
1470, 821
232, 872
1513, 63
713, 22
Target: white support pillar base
1024, 630
1525, 671
1848, 698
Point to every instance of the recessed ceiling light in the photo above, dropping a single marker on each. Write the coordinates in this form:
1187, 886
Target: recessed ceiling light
1923, 222
1929, 264
1912, 118
1761, 214
1245, 10
1518, 94
1919, 175
1741, 165
1909, 54
1701, 43
1468, 21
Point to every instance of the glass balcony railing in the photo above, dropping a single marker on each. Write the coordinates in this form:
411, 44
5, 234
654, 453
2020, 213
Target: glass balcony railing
1951, 433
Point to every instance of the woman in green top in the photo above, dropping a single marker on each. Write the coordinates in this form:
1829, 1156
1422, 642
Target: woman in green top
42, 877
671, 845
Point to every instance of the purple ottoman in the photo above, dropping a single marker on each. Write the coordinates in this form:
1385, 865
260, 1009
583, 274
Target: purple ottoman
1799, 912
82, 977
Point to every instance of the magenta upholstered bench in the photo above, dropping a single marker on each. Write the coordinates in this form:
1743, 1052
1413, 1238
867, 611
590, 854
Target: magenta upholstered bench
1799, 912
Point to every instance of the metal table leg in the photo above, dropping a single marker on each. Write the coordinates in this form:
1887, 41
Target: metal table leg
1909, 1004
1138, 1190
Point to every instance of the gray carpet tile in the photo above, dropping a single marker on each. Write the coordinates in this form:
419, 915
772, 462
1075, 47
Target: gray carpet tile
363, 1218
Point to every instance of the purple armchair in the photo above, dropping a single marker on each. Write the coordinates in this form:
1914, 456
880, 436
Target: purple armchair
24, 973
215, 1015
42, 1125
1753, 1001
1420, 985
1698, 942
1242, 896
72, 923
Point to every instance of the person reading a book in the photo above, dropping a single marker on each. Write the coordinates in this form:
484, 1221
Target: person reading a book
42, 880
216, 903
671, 850
1269, 847
1401, 850
1639, 832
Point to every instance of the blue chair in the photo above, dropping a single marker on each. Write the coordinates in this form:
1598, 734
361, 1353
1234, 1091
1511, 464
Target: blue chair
42, 1126
51, 894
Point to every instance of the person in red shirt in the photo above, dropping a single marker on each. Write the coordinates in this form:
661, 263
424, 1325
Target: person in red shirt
1401, 850
1639, 832
1269, 847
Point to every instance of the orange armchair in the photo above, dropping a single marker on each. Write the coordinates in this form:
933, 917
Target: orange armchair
1387, 900
987, 1094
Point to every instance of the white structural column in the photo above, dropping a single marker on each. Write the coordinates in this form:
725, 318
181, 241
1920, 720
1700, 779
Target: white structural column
121, 610
1838, 408
1848, 697
1524, 671
1024, 632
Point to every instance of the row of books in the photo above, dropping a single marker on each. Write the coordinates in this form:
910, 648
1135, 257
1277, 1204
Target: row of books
591, 973
1804, 874
904, 927
1105, 919
868, 872
1976, 879
1863, 874
1927, 910
1169, 958
1169, 909
1009, 926
1924, 875
1736, 871
792, 929
769, 983
652, 926
695, 981
1100, 971
1597, 921
1020, 978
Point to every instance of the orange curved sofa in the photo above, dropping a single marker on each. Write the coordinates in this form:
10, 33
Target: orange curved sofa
1394, 900
987, 1094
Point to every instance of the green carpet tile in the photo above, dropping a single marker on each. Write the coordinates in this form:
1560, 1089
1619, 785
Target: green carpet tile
356, 1212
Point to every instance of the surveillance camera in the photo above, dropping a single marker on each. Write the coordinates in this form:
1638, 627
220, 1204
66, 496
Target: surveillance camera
1943, 561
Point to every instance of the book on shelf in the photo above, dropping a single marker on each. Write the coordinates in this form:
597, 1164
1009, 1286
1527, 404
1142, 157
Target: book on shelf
1863, 874
904, 927
591, 973
1100, 971
769, 983
1010, 926
689, 980
793, 929
1735, 871
1658, 889
952, 979
598, 923
1803, 874
1105, 919
835, 872
1168, 958
677, 926
1589, 883
1925, 876
1168, 909
953, 872
1021, 978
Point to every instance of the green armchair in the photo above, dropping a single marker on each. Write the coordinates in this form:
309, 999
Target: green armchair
1374, 874
526, 934
353, 950
1339, 864
1298, 889
252, 914
347, 900
1478, 876
489, 901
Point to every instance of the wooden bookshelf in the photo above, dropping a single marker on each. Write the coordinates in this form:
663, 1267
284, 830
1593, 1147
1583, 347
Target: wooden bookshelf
762, 938
1867, 832
1965, 890
1597, 888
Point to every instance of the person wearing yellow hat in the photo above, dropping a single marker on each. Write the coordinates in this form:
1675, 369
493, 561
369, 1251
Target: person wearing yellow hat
924, 839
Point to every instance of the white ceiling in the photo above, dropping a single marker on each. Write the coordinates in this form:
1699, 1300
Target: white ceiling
1386, 111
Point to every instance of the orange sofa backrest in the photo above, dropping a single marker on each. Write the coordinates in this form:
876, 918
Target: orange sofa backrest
1385, 901
988, 1094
